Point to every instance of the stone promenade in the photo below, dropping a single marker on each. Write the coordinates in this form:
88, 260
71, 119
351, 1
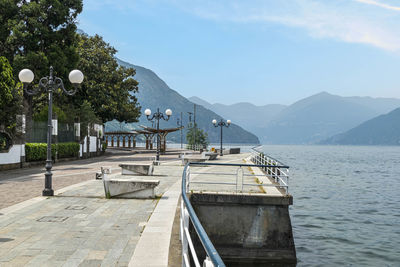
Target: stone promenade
23, 184
79, 226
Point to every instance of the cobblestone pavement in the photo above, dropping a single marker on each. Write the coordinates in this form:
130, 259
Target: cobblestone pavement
22, 184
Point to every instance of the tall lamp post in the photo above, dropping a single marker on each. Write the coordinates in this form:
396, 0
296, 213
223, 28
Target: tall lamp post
221, 124
157, 116
49, 84
180, 124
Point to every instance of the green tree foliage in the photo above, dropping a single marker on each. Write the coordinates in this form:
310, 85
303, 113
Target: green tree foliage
107, 87
87, 117
61, 116
10, 97
200, 138
38, 33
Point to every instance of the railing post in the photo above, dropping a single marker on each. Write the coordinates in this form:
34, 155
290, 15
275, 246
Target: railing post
185, 224
207, 262
187, 178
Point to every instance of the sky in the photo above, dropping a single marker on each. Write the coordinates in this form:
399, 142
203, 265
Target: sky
258, 51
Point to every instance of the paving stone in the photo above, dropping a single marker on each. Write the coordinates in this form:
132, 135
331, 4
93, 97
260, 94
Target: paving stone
105, 232
91, 263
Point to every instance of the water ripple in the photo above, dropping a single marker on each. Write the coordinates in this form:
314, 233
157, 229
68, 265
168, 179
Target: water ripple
346, 210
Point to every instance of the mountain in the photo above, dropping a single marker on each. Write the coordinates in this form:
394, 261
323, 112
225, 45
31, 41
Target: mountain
309, 120
249, 116
381, 130
380, 105
320, 116
155, 93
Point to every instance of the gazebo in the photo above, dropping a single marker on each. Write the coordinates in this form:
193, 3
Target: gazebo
163, 134
128, 138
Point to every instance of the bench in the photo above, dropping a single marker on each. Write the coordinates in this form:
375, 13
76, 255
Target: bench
130, 188
137, 169
186, 160
210, 155
127, 187
235, 150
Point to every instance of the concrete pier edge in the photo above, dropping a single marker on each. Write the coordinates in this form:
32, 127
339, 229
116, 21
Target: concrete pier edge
153, 246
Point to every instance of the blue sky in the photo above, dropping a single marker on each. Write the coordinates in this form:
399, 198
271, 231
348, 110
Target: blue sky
257, 51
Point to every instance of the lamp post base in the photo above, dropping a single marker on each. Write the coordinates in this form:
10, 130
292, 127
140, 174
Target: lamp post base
48, 192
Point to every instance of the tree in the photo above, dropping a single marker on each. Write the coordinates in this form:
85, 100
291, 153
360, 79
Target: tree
10, 97
200, 138
39, 33
107, 87
36, 34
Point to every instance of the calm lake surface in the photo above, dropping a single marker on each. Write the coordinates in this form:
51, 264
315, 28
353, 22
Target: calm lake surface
346, 203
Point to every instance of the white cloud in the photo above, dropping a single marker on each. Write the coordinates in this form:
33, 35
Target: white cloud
342, 20
379, 4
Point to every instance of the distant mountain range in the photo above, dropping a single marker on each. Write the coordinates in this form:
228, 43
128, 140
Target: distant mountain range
245, 114
381, 130
307, 121
155, 93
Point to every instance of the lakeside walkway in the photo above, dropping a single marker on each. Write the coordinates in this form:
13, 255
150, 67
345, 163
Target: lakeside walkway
80, 227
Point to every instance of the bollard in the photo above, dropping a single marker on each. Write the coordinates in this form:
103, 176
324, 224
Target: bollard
105, 170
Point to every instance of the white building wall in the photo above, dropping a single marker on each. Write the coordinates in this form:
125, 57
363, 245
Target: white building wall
13, 155
93, 144
80, 150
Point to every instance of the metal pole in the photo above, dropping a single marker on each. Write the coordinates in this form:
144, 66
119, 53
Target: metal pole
194, 125
48, 191
181, 132
158, 134
221, 125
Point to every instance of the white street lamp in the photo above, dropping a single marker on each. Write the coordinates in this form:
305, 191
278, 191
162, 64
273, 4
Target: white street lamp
75, 77
221, 124
157, 116
147, 112
26, 76
49, 84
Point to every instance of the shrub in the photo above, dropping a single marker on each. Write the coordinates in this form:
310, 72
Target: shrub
104, 146
66, 150
38, 151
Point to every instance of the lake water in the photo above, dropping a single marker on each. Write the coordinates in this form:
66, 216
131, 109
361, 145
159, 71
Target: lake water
346, 203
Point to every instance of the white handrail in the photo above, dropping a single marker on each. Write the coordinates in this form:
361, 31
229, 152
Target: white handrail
280, 175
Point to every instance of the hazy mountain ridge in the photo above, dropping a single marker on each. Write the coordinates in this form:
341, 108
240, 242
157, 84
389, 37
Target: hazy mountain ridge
244, 114
381, 130
309, 120
155, 93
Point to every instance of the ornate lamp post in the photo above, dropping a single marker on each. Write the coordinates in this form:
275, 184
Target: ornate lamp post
157, 116
49, 84
221, 124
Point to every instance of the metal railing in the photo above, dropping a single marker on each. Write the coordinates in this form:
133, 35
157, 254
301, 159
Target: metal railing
187, 212
272, 168
239, 174
278, 171
195, 147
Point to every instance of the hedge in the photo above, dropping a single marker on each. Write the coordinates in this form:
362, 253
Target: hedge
38, 151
